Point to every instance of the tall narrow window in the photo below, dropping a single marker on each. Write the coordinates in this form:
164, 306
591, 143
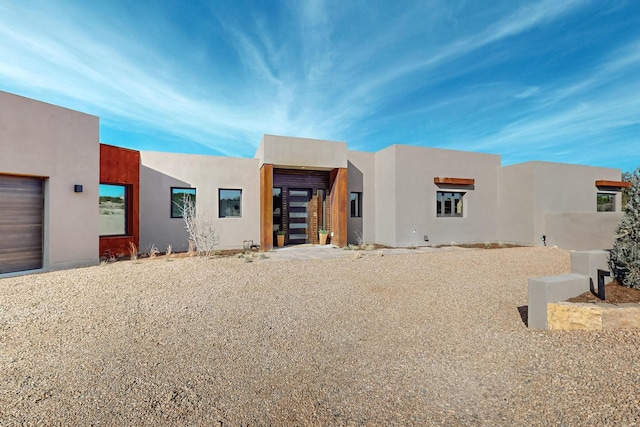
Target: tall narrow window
606, 202
277, 209
449, 204
113, 208
230, 203
356, 205
178, 198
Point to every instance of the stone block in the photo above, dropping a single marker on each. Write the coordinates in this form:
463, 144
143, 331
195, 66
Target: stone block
572, 317
627, 317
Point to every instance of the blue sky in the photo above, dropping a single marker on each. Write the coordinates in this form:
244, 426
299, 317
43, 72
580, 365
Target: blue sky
541, 80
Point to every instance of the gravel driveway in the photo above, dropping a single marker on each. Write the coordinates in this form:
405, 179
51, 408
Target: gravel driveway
418, 339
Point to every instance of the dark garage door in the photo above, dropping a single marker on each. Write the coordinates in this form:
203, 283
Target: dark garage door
21, 223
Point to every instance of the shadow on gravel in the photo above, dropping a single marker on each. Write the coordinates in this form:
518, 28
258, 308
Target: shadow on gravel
524, 314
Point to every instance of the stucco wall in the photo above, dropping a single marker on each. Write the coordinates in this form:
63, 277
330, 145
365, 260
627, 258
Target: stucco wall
557, 201
285, 151
416, 196
515, 201
581, 230
562, 187
161, 171
385, 202
61, 145
361, 178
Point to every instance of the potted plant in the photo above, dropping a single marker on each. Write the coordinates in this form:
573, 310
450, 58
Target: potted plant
323, 236
280, 237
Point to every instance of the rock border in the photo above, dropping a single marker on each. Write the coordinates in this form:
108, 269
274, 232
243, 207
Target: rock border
569, 316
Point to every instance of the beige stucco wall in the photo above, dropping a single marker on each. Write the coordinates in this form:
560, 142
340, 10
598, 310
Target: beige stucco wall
61, 145
385, 202
286, 152
558, 201
581, 230
571, 188
416, 195
161, 171
361, 178
515, 201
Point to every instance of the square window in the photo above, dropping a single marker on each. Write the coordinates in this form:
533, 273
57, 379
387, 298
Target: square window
356, 205
113, 209
606, 202
230, 203
180, 196
449, 204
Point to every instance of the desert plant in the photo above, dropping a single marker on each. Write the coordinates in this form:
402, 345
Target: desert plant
359, 239
624, 258
133, 251
280, 233
153, 251
203, 233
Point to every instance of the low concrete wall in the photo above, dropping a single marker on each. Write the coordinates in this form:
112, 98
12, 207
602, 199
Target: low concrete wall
552, 289
543, 290
588, 263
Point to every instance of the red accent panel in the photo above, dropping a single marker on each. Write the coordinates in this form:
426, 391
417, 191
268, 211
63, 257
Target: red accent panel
122, 166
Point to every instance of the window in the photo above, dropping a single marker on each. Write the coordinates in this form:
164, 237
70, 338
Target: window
356, 205
277, 209
449, 204
230, 203
178, 198
113, 208
606, 202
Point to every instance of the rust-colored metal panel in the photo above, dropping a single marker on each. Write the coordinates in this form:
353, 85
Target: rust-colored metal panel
266, 207
618, 184
453, 181
121, 166
338, 202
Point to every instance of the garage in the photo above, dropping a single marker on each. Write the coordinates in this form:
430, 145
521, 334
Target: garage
21, 223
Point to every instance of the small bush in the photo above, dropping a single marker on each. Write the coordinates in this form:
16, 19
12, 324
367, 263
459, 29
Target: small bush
624, 259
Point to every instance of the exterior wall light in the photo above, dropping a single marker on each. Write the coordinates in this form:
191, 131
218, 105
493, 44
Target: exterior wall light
77, 188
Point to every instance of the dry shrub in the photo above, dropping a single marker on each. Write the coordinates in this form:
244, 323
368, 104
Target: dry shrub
133, 251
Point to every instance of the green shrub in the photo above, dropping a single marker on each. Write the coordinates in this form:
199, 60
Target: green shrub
624, 260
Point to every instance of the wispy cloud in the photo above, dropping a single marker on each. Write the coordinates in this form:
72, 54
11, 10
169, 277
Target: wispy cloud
221, 74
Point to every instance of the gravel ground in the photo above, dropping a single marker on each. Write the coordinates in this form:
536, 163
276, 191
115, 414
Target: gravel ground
419, 339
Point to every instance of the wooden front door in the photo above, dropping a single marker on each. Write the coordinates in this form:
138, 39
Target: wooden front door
299, 220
